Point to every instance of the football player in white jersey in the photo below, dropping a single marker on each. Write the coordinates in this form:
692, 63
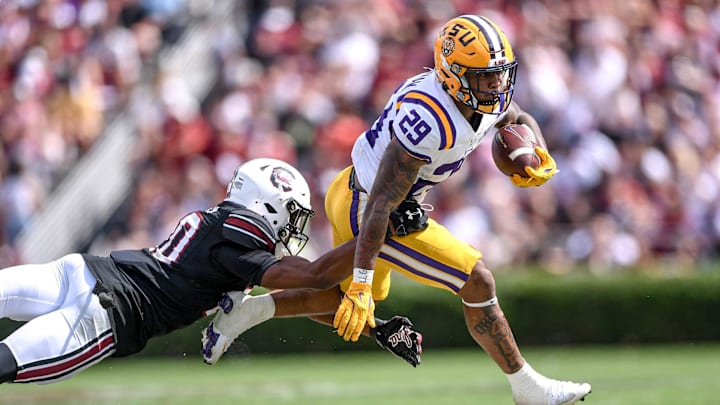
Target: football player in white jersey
427, 129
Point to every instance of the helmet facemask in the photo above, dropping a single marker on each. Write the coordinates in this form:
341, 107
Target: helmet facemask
484, 101
292, 236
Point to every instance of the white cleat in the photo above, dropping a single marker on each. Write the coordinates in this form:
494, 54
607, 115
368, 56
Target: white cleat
532, 388
215, 344
567, 392
239, 312
554, 392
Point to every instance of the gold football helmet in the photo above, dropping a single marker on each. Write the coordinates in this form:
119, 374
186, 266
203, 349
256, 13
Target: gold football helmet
468, 48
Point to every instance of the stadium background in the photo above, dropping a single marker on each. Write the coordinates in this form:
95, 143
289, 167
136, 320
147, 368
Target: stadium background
117, 117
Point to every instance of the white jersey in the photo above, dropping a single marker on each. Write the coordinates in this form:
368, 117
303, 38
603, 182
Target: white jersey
430, 127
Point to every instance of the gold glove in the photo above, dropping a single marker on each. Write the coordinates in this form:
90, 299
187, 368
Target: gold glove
356, 308
539, 176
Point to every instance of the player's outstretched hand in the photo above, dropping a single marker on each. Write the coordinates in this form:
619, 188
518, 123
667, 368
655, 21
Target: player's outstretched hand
399, 338
356, 308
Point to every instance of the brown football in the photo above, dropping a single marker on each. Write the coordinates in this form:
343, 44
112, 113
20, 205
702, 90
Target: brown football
513, 148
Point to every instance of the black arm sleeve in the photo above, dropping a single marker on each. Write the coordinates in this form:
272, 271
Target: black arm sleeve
250, 266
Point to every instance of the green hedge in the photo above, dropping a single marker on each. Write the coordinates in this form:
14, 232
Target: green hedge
542, 309
614, 309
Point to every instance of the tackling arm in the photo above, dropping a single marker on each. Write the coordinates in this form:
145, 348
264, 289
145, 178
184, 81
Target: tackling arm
297, 272
396, 335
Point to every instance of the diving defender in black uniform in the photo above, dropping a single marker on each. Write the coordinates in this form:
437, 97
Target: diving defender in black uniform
81, 309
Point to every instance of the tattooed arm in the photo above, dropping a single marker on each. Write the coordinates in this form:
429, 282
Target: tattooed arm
396, 174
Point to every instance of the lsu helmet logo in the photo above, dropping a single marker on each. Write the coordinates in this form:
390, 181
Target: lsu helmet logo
282, 179
498, 62
448, 46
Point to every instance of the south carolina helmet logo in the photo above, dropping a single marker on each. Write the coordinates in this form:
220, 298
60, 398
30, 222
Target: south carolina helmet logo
282, 179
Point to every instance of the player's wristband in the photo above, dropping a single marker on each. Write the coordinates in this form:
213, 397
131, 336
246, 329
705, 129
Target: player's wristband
363, 276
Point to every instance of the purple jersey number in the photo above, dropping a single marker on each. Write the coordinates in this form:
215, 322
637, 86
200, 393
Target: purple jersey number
414, 127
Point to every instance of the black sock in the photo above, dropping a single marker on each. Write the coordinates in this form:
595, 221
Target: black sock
8, 365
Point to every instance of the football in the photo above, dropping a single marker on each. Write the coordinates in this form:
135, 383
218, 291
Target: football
513, 148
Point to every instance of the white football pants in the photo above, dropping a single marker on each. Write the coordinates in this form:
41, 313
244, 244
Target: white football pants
67, 330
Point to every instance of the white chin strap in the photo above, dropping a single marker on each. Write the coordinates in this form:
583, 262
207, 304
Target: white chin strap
492, 301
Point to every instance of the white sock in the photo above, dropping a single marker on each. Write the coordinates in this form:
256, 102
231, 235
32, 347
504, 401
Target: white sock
524, 379
251, 311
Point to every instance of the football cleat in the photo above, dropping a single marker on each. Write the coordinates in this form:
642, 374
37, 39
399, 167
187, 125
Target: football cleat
214, 344
553, 392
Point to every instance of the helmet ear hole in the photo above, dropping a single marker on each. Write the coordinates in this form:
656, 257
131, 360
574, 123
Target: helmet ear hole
270, 208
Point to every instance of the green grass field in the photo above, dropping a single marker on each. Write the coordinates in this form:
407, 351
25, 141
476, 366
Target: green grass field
657, 375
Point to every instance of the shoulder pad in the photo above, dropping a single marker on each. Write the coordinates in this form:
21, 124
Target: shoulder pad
248, 229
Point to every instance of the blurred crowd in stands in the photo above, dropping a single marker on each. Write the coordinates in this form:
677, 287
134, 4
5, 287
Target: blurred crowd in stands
627, 93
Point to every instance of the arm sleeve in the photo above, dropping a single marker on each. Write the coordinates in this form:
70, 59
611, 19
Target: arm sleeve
248, 265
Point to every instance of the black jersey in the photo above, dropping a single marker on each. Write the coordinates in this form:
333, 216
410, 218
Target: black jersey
157, 290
